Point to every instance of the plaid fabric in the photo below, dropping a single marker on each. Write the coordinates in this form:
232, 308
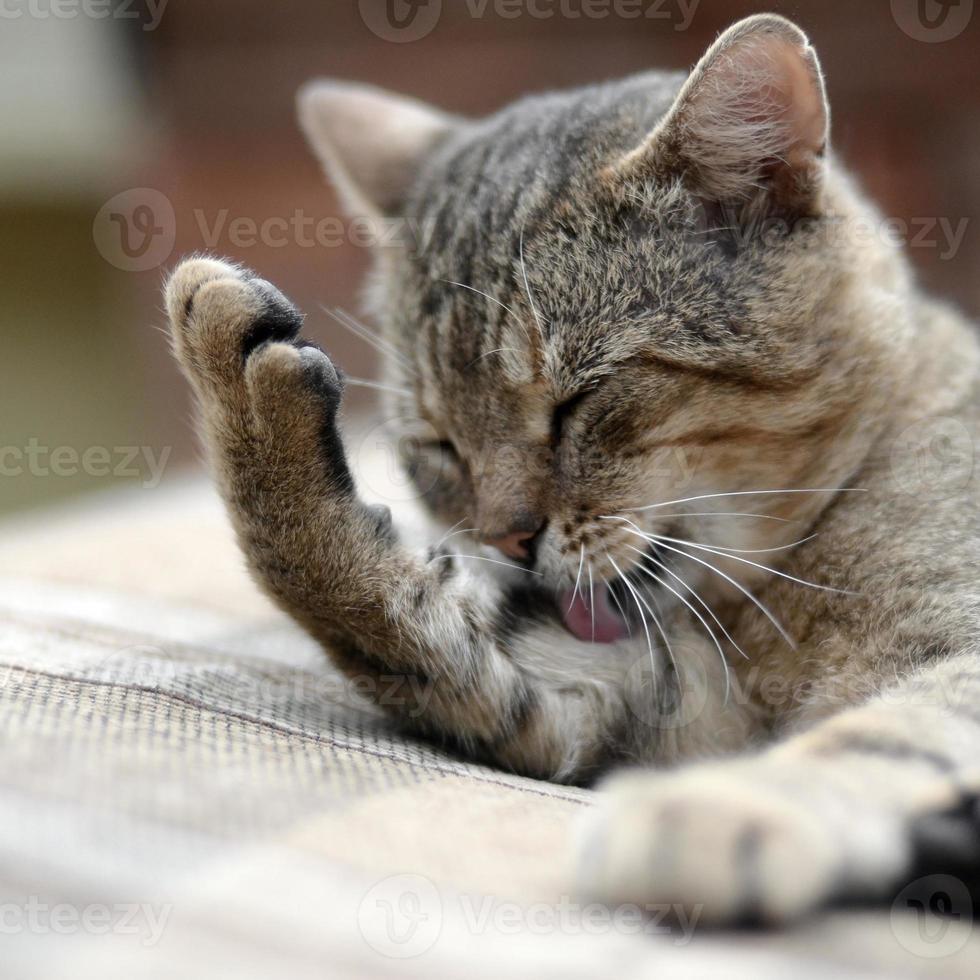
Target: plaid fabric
188, 789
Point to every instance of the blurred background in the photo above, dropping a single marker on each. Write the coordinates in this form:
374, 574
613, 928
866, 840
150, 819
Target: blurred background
139, 130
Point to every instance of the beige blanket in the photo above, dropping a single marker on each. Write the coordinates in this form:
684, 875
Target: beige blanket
188, 790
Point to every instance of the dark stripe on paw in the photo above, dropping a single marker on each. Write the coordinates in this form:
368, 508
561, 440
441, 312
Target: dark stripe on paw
887, 748
748, 847
324, 381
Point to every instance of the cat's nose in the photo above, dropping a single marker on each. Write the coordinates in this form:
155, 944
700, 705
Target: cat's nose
516, 544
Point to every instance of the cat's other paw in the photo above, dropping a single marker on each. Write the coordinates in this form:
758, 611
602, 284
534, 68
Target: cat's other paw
714, 844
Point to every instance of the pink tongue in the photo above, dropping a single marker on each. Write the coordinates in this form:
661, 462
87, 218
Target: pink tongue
603, 624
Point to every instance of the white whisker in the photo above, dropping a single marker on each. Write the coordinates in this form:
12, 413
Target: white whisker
747, 551
499, 350
480, 292
527, 286
503, 306
359, 330
578, 577
722, 513
440, 542
622, 611
742, 493
493, 561
647, 557
733, 554
643, 619
745, 561
658, 619
701, 620
377, 386
592, 600
352, 321
452, 532
349, 323
738, 585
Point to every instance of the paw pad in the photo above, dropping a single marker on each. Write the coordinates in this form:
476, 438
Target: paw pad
279, 320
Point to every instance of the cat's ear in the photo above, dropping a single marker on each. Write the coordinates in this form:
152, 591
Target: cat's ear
371, 143
753, 115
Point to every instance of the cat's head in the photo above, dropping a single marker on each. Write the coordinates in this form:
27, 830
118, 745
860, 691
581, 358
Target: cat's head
619, 297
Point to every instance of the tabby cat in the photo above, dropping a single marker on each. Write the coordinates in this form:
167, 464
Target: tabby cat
670, 409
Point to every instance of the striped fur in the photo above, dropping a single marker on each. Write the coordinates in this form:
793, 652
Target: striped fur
624, 296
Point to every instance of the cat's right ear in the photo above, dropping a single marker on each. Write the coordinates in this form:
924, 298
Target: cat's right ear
751, 120
371, 143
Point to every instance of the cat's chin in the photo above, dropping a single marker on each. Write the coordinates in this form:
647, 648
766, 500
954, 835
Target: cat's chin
591, 616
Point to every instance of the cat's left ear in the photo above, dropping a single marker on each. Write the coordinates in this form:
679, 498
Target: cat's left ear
752, 118
371, 143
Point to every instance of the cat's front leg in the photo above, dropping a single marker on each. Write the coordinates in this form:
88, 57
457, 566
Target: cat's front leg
851, 810
268, 407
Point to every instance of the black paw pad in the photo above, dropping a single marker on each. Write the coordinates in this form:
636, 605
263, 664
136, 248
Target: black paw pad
949, 843
279, 321
321, 374
324, 381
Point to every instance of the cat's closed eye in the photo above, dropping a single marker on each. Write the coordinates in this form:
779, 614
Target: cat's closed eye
437, 452
425, 458
563, 412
